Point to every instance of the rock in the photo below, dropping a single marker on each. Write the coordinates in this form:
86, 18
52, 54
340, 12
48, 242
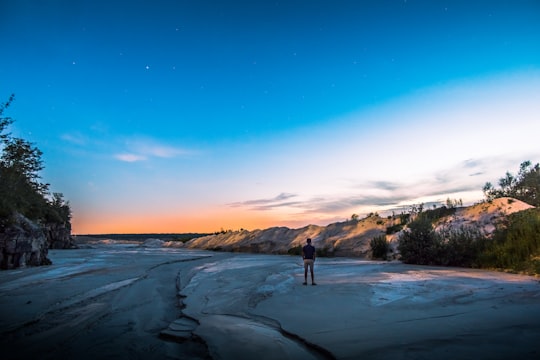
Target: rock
180, 329
59, 236
23, 243
152, 243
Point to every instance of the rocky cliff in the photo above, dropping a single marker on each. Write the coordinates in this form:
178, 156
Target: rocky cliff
59, 236
25, 243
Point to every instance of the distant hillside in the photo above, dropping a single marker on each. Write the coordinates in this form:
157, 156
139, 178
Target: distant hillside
349, 238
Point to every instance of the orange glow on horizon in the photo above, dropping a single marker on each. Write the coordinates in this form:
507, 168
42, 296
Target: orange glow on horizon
185, 223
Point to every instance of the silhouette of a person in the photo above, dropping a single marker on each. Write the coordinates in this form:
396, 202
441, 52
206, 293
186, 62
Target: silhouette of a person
308, 254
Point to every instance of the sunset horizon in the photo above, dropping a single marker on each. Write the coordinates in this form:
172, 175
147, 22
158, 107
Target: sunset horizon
182, 116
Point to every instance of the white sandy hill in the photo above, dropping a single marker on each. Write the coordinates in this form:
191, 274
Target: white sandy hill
349, 238
485, 215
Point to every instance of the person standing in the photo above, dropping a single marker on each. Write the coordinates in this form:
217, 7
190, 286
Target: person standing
308, 254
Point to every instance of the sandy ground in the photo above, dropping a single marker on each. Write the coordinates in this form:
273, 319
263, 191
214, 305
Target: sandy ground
127, 302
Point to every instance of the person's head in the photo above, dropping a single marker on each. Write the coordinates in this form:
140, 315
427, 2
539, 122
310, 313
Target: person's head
308, 240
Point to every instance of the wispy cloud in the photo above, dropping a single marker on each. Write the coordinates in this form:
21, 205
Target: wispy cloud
267, 204
75, 138
379, 195
140, 149
157, 150
129, 157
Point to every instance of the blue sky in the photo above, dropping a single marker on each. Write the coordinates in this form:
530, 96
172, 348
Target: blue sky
181, 116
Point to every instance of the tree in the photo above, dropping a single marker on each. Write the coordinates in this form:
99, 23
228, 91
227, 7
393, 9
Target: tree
525, 186
419, 244
5, 121
59, 210
24, 158
20, 187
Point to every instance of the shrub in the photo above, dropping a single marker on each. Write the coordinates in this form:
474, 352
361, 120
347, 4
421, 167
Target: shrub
516, 246
394, 229
461, 247
297, 250
438, 213
379, 247
419, 244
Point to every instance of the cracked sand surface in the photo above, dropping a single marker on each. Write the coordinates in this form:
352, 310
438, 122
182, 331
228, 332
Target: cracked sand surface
129, 302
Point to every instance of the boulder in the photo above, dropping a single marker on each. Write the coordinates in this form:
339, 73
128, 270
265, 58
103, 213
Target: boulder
23, 243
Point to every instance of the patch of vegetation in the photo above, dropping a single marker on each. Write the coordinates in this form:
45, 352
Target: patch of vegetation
21, 189
438, 213
297, 250
461, 247
394, 229
422, 245
524, 186
419, 244
404, 218
325, 252
516, 244
379, 247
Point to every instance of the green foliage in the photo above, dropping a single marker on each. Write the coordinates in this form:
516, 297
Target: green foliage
525, 186
5, 121
379, 247
514, 246
453, 203
404, 218
20, 187
297, 250
394, 229
517, 245
419, 244
461, 247
438, 213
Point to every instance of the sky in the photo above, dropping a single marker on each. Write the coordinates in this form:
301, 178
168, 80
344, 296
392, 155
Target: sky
197, 116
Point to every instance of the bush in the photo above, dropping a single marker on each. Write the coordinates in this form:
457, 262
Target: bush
379, 247
297, 250
394, 229
436, 214
419, 244
461, 247
516, 246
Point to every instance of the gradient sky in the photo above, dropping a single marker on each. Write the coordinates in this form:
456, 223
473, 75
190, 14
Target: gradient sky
196, 116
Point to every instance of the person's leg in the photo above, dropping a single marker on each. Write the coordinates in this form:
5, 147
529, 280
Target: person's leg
312, 274
305, 272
